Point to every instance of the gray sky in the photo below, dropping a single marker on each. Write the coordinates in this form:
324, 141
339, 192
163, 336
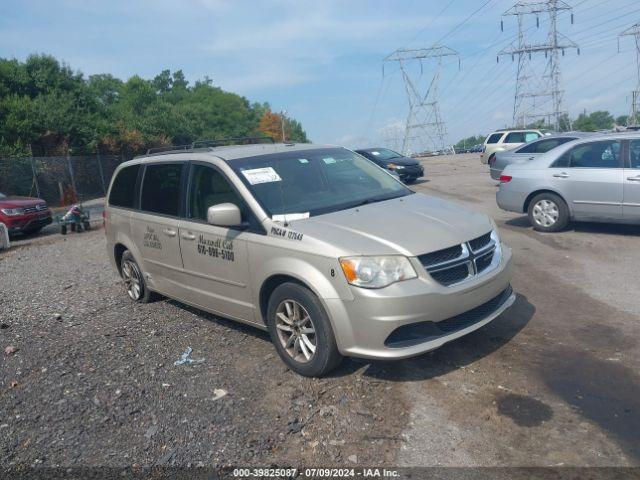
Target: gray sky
322, 60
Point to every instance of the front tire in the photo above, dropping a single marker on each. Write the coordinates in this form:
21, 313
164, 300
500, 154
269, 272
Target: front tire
134, 280
548, 212
301, 331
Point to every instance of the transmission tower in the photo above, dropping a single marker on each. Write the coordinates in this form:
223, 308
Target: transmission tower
529, 88
423, 119
634, 115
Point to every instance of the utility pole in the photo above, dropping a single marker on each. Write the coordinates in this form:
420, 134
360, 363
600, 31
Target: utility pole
525, 105
634, 115
282, 116
423, 119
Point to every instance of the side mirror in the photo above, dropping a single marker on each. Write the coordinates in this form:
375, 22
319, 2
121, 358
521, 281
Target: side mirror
224, 215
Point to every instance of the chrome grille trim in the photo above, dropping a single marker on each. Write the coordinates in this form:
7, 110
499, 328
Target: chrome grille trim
478, 262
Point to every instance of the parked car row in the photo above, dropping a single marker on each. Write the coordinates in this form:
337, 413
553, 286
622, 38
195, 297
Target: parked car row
575, 176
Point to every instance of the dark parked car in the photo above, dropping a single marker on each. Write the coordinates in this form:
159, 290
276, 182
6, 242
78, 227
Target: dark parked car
408, 169
24, 214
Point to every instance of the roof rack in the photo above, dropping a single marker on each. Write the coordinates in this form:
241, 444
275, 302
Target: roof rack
210, 144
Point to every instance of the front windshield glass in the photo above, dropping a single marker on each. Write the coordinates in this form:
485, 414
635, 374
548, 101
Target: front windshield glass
313, 182
383, 154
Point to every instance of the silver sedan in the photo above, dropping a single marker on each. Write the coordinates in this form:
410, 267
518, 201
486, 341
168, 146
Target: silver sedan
530, 151
593, 179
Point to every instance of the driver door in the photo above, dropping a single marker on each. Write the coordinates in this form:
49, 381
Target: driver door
215, 258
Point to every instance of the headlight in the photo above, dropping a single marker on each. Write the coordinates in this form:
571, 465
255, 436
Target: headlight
376, 272
12, 212
393, 166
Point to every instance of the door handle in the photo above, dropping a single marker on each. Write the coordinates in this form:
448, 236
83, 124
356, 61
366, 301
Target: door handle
169, 232
561, 175
531, 158
634, 179
188, 236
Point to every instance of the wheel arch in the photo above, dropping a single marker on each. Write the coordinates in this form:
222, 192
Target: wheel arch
532, 195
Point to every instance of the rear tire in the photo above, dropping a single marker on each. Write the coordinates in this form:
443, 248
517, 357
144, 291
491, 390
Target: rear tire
133, 278
548, 212
63, 229
301, 331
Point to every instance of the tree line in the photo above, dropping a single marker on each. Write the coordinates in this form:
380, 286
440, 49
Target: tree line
46, 108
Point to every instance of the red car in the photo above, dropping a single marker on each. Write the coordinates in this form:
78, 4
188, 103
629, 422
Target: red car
24, 214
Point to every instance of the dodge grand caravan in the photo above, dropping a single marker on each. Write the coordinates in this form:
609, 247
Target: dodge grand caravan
319, 246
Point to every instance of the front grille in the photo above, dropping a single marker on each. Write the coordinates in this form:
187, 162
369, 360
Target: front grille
30, 209
451, 276
42, 206
482, 263
448, 254
416, 333
455, 264
479, 243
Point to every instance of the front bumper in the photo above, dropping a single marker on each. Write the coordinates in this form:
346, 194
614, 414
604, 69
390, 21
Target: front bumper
410, 173
368, 326
28, 223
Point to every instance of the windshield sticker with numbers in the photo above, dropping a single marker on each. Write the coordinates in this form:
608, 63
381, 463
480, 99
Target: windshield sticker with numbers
255, 176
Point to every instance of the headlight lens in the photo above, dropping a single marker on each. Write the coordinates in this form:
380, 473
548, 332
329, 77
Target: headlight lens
12, 212
376, 272
393, 166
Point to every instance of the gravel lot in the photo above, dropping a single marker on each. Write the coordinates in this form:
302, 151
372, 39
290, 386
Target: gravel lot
554, 381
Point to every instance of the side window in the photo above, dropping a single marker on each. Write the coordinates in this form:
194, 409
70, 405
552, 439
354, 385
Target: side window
124, 187
515, 137
634, 153
603, 154
208, 188
161, 189
530, 136
494, 138
543, 146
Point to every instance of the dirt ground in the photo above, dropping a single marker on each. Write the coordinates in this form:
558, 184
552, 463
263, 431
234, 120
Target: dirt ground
552, 382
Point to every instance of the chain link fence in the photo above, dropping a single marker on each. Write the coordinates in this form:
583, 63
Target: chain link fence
60, 180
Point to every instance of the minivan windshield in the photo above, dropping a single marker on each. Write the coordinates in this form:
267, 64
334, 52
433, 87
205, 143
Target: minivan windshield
313, 182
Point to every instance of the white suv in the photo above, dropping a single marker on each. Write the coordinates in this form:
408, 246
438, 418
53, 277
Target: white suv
506, 140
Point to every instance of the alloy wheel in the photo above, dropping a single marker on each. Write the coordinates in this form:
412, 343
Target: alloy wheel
296, 331
132, 279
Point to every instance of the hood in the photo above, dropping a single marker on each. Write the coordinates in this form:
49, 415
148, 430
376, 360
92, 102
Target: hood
17, 202
410, 226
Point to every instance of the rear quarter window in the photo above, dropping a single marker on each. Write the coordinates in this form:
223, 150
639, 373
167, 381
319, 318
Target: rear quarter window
123, 190
494, 138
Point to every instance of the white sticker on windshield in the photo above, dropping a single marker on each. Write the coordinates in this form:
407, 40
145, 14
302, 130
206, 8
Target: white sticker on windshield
290, 217
375, 153
256, 176
329, 160
303, 160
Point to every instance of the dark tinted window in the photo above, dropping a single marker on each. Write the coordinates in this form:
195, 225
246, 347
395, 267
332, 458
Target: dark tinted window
603, 154
494, 138
209, 187
161, 189
124, 187
543, 146
515, 137
634, 153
